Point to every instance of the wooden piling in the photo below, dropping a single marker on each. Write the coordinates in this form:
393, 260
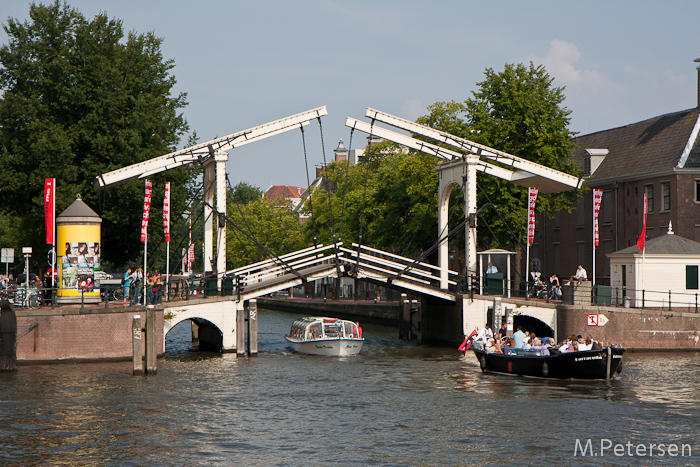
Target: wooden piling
608, 363
405, 320
151, 362
8, 337
253, 328
240, 329
136, 341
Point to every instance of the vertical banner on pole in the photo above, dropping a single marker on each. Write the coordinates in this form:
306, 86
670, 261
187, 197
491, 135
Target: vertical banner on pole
146, 211
144, 235
166, 232
166, 212
531, 200
597, 197
49, 208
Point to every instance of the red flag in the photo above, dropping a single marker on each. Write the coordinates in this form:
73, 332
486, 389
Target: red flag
466, 344
191, 253
642, 238
166, 212
532, 198
146, 210
49, 208
597, 197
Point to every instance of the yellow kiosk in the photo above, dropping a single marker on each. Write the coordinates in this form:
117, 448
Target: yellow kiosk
78, 233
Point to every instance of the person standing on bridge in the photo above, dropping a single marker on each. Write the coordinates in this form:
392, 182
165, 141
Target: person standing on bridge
125, 282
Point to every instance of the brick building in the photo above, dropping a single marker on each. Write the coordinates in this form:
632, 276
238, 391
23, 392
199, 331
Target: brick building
660, 157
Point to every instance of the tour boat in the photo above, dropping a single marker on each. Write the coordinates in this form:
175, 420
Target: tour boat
326, 336
586, 364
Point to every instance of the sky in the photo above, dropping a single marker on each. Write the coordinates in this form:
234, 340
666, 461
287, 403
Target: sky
245, 63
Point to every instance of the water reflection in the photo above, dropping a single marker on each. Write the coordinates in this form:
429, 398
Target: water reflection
397, 403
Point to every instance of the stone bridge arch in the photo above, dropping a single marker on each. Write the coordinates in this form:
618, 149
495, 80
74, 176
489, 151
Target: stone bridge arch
221, 315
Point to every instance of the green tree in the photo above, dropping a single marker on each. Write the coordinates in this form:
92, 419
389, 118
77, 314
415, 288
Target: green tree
277, 228
517, 111
390, 196
79, 98
244, 193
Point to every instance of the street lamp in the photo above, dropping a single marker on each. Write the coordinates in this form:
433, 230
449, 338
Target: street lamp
27, 251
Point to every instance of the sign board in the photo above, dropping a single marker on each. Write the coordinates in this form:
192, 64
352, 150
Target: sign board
8, 255
596, 320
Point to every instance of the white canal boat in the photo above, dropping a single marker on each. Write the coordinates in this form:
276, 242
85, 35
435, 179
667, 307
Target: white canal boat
326, 336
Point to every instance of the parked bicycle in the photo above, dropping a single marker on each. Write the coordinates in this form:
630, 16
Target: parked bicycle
24, 297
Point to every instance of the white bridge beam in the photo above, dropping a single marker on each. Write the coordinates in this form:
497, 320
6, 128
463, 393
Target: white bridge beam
213, 157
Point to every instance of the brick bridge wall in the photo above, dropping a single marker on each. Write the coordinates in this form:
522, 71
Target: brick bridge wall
91, 335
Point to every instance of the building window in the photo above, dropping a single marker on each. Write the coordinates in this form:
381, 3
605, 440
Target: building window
697, 191
666, 196
557, 220
691, 278
557, 258
607, 207
586, 165
581, 253
580, 213
649, 190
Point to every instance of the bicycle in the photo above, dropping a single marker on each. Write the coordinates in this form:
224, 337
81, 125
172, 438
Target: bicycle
28, 298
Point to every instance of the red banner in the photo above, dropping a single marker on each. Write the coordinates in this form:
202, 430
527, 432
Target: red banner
166, 212
49, 208
191, 253
146, 210
597, 197
642, 238
532, 199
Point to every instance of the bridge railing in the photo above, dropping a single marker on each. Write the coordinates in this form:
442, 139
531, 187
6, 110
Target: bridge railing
389, 264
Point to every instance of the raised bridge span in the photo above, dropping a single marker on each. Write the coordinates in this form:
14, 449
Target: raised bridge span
226, 313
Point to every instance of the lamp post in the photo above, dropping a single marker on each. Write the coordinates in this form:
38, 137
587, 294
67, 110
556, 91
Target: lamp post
27, 251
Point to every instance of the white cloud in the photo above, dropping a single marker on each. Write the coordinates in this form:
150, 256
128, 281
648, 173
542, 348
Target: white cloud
560, 63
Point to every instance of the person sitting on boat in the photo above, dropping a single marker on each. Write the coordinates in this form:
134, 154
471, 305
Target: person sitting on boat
503, 332
519, 338
484, 334
595, 345
508, 346
566, 346
586, 345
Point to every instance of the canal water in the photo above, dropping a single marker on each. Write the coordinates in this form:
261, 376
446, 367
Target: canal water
396, 404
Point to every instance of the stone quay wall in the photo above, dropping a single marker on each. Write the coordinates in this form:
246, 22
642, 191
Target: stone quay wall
634, 329
90, 334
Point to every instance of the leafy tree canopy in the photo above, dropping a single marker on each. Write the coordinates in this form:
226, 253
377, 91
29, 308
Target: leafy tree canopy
79, 98
517, 111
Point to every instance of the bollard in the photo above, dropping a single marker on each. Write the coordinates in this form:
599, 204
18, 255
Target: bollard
136, 341
405, 322
253, 328
151, 364
608, 362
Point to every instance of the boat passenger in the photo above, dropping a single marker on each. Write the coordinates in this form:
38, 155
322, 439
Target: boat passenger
566, 346
586, 345
503, 332
484, 334
519, 338
596, 346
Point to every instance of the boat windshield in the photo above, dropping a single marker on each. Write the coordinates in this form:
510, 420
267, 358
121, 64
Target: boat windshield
314, 331
332, 330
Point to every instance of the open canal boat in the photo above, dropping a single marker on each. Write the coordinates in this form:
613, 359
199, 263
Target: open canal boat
587, 364
326, 336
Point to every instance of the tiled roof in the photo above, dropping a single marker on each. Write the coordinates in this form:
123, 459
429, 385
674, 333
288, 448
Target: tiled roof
283, 191
645, 147
665, 244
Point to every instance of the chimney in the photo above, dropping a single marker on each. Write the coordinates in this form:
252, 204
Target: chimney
697, 60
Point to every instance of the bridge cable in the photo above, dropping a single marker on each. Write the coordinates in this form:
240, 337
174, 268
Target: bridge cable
260, 245
502, 219
308, 187
330, 210
345, 187
364, 195
437, 244
425, 215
